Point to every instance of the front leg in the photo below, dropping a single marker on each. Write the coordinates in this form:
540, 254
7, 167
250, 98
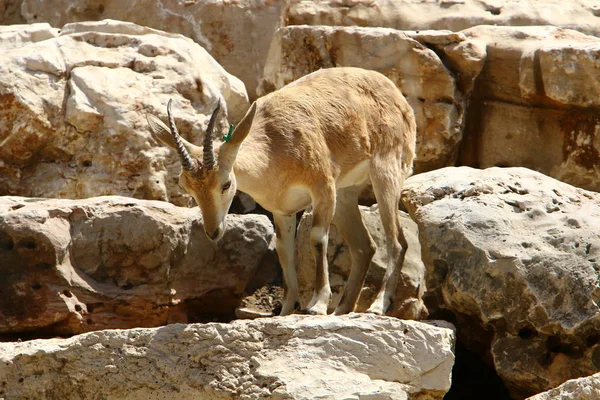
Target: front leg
285, 230
319, 235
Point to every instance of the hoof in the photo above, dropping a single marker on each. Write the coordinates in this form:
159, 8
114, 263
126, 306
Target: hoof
316, 310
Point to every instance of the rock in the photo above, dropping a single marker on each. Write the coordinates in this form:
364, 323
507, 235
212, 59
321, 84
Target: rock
587, 388
515, 256
10, 12
72, 266
411, 284
436, 90
294, 357
236, 33
72, 122
454, 15
533, 105
13, 36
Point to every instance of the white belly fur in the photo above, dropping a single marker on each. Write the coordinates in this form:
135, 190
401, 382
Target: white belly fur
356, 176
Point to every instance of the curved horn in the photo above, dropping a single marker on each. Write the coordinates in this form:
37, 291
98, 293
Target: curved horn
184, 156
209, 155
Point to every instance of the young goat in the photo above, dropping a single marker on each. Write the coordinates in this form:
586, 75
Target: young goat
317, 141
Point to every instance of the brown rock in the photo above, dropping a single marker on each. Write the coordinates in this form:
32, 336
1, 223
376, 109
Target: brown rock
514, 255
10, 12
533, 105
72, 266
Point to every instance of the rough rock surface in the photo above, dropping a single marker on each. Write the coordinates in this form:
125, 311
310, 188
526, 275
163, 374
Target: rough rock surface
454, 15
411, 284
72, 266
587, 388
295, 357
72, 111
236, 33
437, 90
515, 256
13, 36
535, 103
10, 12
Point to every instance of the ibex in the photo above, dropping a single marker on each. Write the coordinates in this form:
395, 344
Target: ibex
317, 141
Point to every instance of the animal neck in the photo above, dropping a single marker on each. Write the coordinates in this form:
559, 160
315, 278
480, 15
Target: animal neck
250, 166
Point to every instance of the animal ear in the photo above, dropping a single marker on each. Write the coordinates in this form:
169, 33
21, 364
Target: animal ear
159, 130
241, 131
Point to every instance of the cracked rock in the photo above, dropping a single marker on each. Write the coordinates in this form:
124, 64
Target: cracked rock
72, 109
73, 266
296, 357
518, 262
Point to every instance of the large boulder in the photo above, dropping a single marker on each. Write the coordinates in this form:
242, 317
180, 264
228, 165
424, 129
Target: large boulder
294, 357
411, 278
236, 33
587, 388
514, 255
72, 266
454, 15
535, 103
72, 115
434, 70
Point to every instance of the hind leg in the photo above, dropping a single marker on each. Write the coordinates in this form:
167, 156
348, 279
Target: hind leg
323, 210
349, 223
386, 178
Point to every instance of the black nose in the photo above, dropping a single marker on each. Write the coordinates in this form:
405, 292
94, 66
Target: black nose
214, 235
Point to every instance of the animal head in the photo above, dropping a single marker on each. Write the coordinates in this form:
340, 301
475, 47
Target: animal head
207, 172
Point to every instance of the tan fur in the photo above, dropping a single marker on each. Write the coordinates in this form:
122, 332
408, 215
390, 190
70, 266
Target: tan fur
318, 141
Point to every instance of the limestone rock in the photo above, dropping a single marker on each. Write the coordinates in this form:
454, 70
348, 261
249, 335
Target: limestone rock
437, 91
454, 15
13, 36
515, 256
587, 388
72, 115
236, 33
411, 284
72, 266
534, 103
294, 357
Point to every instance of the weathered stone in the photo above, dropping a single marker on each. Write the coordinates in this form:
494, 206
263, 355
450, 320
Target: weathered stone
72, 266
236, 33
10, 12
454, 15
410, 60
13, 36
515, 255
587, 388
533, 105
72, 121
411, 283
295, 357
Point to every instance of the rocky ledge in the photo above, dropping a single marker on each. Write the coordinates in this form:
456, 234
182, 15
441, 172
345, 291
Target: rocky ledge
356, 356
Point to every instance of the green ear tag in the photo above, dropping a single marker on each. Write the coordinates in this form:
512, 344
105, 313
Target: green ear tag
227, 137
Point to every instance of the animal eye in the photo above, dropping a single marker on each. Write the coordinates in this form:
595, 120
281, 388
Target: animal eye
226, 186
